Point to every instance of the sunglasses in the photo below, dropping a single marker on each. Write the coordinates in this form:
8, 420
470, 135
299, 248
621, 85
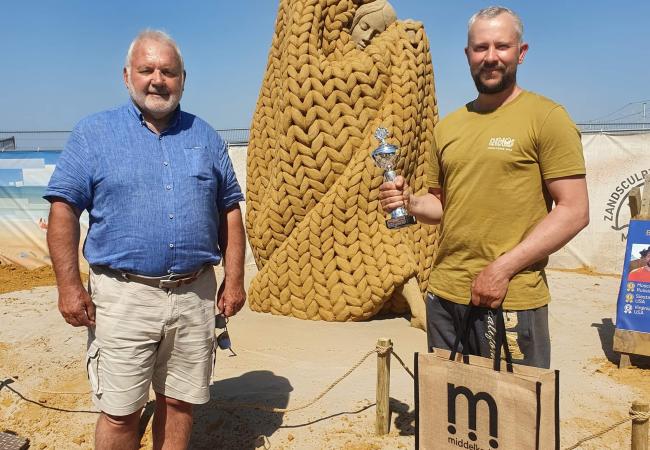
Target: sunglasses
223, 338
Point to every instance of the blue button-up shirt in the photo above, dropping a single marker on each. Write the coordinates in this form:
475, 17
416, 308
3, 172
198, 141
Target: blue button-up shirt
154, 201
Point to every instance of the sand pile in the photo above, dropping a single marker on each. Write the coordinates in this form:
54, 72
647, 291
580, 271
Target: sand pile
17, 278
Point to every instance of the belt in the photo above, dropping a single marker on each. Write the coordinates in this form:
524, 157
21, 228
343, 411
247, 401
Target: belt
170, 281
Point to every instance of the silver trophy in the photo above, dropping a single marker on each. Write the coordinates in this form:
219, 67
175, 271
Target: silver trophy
385, 156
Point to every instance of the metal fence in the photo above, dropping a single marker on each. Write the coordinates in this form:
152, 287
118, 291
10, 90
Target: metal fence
235, 136
8, 143
618, 127
35, 140
55, 140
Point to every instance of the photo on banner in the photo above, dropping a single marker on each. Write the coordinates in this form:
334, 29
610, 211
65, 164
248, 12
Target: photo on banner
633, 307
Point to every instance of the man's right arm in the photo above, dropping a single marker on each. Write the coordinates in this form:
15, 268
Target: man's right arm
63, 235
427, 208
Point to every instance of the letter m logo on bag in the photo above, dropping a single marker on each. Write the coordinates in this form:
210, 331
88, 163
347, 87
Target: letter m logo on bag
473, 399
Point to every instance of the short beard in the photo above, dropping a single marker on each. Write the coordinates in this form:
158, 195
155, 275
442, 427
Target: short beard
507, 80
155, 108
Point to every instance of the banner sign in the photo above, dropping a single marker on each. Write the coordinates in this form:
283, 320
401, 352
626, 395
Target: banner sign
633, 308
24, 213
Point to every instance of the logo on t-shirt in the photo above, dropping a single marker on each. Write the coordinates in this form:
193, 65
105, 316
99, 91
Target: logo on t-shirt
501, 143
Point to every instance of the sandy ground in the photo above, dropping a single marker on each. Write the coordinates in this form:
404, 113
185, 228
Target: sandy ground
285, 362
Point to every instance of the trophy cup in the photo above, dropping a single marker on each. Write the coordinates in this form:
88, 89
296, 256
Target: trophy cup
385, 157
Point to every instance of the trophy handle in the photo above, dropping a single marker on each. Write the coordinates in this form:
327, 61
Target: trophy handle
390, 175
399, 217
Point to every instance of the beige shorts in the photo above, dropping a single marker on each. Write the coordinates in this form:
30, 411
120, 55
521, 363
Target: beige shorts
150, 336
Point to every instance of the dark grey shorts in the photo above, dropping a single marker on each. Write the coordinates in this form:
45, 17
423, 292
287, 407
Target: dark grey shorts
526, 331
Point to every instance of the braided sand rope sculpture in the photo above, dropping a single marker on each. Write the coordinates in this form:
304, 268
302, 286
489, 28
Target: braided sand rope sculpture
313, 218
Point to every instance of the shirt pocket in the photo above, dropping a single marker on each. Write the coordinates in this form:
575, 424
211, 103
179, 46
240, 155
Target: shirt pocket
199, 162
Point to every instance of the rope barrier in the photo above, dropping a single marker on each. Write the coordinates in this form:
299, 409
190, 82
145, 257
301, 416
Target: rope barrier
6, 384
39, 391
634, 416
379, 350
403, 364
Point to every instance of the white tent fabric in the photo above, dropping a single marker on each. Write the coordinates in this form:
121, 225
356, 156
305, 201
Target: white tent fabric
238, 157
616, 163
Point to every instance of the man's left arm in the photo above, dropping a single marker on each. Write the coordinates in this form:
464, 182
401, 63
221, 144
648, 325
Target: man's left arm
570, 215
232, 241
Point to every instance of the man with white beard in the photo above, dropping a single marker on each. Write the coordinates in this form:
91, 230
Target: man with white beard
163, 203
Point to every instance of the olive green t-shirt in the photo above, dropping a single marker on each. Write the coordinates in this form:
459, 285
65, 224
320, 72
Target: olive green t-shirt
491, 168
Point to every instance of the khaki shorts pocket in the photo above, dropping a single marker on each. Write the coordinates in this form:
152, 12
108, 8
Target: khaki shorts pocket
93, 356
213, 362
94, 278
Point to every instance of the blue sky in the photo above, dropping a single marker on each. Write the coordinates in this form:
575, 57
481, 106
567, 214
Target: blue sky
62, 60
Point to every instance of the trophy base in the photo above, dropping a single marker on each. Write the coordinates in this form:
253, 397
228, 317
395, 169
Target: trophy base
400, 222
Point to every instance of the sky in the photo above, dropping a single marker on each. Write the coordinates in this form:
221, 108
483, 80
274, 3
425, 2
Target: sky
62, 60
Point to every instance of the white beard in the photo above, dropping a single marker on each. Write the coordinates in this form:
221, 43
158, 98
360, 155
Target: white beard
156, 106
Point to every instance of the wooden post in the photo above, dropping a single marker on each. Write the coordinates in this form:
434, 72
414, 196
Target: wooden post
382, 423
624, 361
639, 427
634, 202
645, 199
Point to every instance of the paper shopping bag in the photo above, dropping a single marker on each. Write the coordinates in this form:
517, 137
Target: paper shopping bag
464, 403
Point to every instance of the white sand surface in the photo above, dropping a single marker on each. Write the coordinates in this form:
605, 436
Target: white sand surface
286, 362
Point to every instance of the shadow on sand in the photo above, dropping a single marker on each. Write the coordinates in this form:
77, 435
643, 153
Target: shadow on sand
606, 334
219, 425
404, 417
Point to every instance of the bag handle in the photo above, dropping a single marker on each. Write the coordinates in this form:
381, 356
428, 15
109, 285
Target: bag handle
462, 335
501, 342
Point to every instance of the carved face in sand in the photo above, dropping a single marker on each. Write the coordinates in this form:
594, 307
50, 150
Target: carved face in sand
370, 20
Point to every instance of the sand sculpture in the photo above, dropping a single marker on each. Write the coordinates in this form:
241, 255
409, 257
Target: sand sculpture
369, 20
314, 223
